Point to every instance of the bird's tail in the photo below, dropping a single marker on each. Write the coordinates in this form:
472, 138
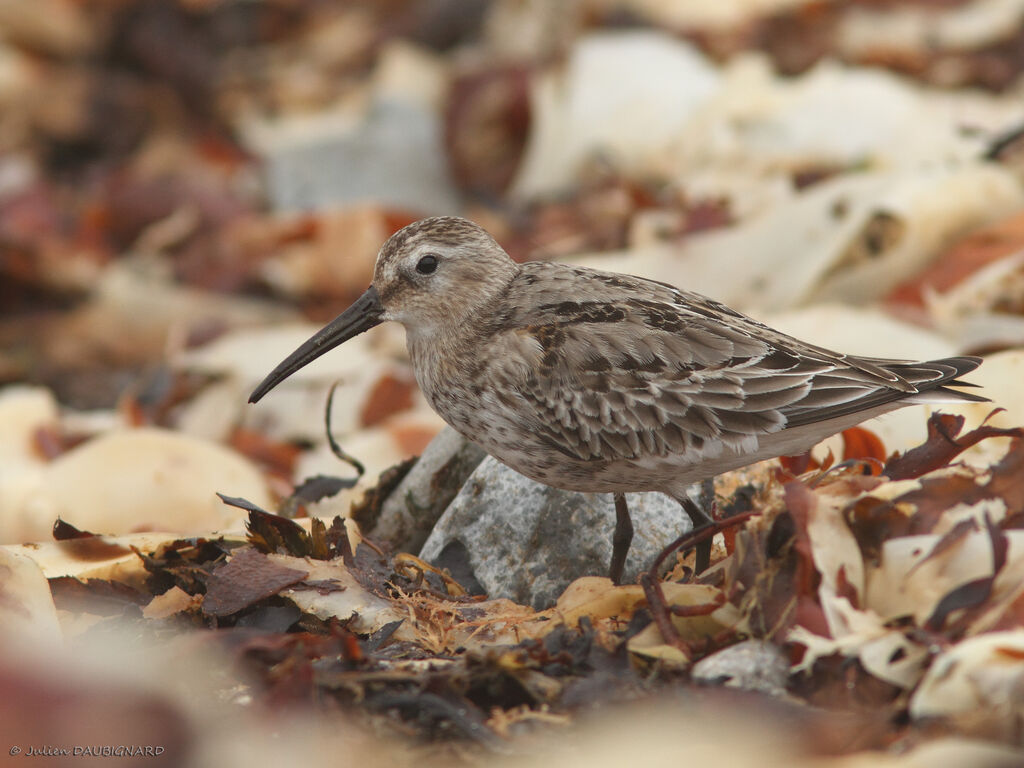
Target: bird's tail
935, 380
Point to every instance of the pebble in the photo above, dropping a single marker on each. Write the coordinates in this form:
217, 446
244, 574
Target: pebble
526, 541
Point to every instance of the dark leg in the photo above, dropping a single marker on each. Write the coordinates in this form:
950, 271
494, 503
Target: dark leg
621, 539
700, 518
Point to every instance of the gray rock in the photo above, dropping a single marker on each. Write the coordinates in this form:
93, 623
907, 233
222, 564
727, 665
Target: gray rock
395, 157
526, 541
753, 665
411, 510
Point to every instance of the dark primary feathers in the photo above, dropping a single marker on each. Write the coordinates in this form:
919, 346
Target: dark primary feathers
628, 368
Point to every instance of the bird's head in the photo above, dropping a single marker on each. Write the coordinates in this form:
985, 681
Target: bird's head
435, 273
439, 271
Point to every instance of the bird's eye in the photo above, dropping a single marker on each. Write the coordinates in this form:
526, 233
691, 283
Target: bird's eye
427, 264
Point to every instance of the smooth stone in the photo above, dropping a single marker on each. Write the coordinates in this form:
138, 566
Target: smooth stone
414, 506
526, 541
753, 665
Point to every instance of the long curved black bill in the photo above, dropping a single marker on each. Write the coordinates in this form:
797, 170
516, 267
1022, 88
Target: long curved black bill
365, 313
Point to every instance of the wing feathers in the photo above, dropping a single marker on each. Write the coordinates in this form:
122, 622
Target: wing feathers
639, 370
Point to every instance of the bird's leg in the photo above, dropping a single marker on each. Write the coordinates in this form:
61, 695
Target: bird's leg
621, 539
700, 519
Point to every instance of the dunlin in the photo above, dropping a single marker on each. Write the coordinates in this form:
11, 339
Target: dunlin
602, 382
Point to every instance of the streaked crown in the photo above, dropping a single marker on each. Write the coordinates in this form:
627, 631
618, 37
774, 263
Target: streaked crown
440, 270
